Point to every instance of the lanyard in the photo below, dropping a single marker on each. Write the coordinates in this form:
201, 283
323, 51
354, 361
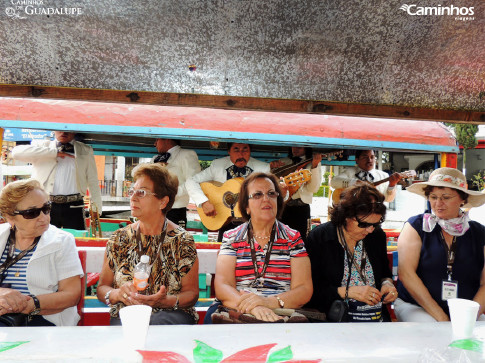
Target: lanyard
10, 260
351, 261
143, 251
253, 251
450, 251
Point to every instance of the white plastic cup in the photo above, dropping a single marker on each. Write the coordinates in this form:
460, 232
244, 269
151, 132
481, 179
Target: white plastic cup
463, 314
135, 320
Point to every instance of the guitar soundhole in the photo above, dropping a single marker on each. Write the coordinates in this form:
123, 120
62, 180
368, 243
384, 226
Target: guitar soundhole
230, 199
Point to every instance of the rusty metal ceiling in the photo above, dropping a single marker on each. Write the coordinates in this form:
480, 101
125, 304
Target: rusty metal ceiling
327, 56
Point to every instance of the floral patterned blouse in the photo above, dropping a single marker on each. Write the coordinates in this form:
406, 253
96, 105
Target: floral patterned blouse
171, 260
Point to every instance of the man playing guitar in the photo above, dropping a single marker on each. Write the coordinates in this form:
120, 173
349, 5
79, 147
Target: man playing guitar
239, 163
365, 170
297, 210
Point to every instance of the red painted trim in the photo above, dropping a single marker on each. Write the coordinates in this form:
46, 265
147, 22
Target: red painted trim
196, 118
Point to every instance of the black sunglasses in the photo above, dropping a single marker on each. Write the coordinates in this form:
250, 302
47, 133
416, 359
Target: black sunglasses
34, 212
364, 225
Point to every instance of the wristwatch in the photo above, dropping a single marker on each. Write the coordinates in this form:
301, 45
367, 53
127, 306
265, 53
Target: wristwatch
280, 302
106, 297
36, 310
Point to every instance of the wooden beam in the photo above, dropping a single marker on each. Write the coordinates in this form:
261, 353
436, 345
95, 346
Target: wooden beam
246, 103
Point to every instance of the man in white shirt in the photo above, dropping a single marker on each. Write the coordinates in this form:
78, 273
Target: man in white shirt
297, 209
239, 163
366, 171
66, 169
182, 163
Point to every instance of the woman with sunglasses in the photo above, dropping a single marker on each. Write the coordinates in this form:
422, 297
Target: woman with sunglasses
262, 264
348, 255
173, 285
441, 252
40, 269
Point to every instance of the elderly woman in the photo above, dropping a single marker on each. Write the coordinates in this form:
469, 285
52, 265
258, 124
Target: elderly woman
349, 258
39, 266
173, 286
262, 264
441, 254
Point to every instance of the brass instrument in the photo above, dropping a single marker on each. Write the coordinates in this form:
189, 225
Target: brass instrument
95, 224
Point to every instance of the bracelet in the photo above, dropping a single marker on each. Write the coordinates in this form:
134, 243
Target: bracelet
281, 303
387, 282
176, 305
106, 297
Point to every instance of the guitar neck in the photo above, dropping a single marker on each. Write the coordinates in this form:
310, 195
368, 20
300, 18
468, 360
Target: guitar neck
406, 174
379, 182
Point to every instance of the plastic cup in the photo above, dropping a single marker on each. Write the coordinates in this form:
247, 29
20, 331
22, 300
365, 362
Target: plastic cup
135, 320
463, 314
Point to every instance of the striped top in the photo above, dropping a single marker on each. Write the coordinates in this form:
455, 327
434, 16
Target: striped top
16, 275
277, 279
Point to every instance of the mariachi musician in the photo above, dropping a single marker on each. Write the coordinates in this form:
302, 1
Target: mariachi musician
239, 163
365, 170
297, 210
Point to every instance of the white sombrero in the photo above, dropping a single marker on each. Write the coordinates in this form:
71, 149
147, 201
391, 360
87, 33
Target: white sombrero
450, 178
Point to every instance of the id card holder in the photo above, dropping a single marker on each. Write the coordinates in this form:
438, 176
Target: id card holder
449, 289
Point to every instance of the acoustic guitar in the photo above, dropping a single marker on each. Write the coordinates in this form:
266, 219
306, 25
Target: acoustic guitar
225, 197
287, 169
404, 175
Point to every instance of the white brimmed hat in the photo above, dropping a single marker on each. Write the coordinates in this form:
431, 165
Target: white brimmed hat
450, 178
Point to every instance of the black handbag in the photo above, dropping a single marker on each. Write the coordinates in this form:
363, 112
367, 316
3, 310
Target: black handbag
338, 312
14, 319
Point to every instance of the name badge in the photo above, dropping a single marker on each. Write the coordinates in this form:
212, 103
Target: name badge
449, 290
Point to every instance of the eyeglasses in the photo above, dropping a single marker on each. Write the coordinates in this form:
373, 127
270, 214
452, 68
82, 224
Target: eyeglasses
443, 198
272, 194
364, 225
34, 212
139, 193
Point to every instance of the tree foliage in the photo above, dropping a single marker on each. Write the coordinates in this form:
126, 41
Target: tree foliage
465, 135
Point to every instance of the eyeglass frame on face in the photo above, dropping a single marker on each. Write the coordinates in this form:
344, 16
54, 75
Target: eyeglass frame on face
272, 194
365, 225
443, 198
33, 213
134, 192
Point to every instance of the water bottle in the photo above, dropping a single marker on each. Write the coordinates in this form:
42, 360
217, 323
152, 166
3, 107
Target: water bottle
141, 274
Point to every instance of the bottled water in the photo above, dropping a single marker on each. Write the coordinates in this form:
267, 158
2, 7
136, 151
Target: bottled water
141, 274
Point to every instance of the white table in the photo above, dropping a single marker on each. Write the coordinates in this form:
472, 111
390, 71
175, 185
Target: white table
364, 342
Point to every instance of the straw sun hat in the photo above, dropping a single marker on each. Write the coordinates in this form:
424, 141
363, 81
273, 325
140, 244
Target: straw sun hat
450, 178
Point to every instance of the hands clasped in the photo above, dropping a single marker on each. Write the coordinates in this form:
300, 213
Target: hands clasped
256, 305
12, 301
371, 296
129, 295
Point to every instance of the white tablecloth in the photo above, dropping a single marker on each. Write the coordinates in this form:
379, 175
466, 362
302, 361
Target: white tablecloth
364, 342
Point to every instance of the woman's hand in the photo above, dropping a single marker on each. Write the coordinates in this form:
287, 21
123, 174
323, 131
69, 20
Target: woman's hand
389, 292
366, 294
264, 313
158, 300
12, 301
249, 301
124, 294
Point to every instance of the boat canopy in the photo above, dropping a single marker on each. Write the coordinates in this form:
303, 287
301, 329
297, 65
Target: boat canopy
129, 130
375, 58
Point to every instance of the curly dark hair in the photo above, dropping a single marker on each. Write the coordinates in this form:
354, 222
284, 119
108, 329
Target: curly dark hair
244, 194
360, 200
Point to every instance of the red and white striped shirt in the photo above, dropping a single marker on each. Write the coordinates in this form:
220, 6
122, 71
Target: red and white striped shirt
277, 278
